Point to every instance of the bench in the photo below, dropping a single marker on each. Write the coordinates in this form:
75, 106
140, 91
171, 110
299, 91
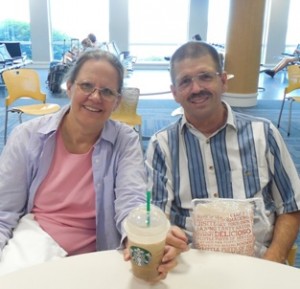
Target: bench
13, 48
11, 57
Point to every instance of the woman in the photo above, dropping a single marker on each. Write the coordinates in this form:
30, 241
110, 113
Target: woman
77, 172
86, 43
283, 63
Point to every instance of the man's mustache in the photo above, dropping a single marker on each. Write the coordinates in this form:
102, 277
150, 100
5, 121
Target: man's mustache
199, 94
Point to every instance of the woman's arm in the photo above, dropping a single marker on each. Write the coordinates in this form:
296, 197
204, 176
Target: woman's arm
13, 184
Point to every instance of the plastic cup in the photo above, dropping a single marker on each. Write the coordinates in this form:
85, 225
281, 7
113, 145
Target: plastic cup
146, 240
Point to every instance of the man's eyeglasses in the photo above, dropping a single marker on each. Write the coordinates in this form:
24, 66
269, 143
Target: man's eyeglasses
106, 93
202, 79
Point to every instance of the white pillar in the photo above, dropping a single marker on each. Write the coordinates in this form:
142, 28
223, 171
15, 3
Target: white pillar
40, 32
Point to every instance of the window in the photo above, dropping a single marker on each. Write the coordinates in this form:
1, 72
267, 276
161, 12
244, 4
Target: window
292, 37
14, 23
218, 13
75, 20
157, 28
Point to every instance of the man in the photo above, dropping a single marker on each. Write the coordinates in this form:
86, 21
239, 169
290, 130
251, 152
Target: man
214, 152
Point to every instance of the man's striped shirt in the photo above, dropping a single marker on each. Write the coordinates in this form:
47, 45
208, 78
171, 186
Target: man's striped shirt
246, 158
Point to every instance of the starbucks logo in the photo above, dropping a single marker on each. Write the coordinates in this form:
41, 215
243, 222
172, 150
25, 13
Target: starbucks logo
140, 256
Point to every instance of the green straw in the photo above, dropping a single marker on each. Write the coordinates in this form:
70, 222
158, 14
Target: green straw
148, 208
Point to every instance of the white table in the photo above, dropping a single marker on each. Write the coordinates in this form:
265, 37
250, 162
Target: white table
196, 269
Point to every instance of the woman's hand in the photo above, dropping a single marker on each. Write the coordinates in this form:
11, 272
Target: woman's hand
126, 253
176, 243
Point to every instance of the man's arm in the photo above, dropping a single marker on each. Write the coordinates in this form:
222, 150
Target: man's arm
285, 233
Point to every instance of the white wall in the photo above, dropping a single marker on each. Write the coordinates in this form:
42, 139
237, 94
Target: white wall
277, 30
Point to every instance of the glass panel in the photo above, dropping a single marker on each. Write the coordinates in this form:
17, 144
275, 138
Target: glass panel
14, 24
73, 21
218, 13
292, 37
157, 28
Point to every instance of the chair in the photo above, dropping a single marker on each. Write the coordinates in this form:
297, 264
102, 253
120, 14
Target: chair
25, 83
293, 85
124, 56
127, 109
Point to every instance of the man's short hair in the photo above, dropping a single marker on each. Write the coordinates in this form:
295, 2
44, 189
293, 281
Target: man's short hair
194, 49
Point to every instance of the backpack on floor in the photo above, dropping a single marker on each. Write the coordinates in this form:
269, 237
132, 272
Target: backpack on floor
56, 75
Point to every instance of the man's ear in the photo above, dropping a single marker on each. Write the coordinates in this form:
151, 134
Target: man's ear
174, 92
224, 81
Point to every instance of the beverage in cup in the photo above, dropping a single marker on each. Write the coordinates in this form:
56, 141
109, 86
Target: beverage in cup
146, 231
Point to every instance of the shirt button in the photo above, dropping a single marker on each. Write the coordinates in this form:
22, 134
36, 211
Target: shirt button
207, 141
211, 168
215, 195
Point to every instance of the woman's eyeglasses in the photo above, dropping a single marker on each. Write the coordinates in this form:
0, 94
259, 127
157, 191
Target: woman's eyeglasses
106, 93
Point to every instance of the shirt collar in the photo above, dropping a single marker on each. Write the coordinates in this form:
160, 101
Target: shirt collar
54, 121
109, 132
230, 122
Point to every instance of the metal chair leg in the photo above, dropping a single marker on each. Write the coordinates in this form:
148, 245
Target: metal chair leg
20, 117
5, 125
6, 122
290, 116
140, 136
138, 129
280, 113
